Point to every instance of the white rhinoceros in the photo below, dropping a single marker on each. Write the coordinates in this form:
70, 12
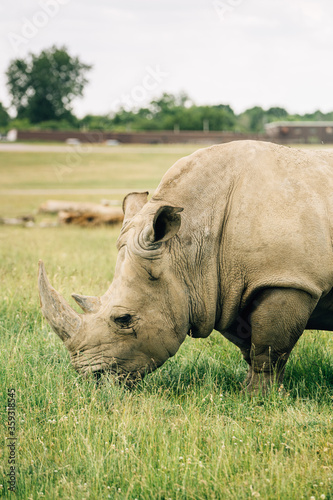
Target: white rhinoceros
237, 238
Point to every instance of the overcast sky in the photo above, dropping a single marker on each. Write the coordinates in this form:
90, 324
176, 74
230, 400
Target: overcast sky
238, 52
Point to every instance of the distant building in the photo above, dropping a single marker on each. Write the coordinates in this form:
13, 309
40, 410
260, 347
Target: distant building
300, 132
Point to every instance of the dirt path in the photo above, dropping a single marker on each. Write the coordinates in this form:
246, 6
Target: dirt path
94, 148
42, 148
48, 192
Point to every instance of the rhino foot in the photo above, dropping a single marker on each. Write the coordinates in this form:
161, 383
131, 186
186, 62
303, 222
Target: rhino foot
261, 383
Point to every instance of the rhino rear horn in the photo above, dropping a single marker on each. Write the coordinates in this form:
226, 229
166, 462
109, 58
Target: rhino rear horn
62, 318
87, 304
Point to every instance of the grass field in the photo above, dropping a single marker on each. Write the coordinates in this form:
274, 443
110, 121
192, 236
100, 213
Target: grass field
187, 431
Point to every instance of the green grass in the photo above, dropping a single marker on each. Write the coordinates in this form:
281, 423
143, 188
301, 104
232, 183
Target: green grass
187, 431
89, 167
121, 167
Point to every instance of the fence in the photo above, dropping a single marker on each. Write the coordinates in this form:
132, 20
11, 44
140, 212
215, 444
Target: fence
162, 137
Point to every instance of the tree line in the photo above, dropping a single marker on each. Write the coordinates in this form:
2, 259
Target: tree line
43, 86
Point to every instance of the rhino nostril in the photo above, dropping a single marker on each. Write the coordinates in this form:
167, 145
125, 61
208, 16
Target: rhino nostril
98, 375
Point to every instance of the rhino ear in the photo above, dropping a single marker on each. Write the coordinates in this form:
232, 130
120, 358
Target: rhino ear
166, 224
133, 203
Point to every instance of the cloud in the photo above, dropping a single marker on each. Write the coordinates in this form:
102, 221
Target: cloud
265, 53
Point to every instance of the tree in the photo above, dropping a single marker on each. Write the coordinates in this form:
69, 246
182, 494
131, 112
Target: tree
276, 113
4, 116
43, 87
253, 119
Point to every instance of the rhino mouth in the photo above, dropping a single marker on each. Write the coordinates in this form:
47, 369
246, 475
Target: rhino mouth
129, 380
122, 377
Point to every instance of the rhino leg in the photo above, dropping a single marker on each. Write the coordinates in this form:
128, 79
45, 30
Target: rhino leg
322, 316
278, 318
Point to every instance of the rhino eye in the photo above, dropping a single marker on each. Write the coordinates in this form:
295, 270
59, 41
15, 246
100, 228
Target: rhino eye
123, 320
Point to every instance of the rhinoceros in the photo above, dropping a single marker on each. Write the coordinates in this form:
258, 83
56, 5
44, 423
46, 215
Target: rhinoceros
236, 238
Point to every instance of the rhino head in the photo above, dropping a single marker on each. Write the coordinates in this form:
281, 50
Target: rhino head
143, 317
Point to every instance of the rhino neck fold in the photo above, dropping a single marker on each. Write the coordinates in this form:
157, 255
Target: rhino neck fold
197, 274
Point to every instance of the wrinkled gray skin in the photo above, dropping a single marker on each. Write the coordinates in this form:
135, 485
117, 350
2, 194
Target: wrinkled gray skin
237, 238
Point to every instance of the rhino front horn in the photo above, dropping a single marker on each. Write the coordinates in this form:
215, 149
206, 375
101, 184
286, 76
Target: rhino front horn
62, 318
